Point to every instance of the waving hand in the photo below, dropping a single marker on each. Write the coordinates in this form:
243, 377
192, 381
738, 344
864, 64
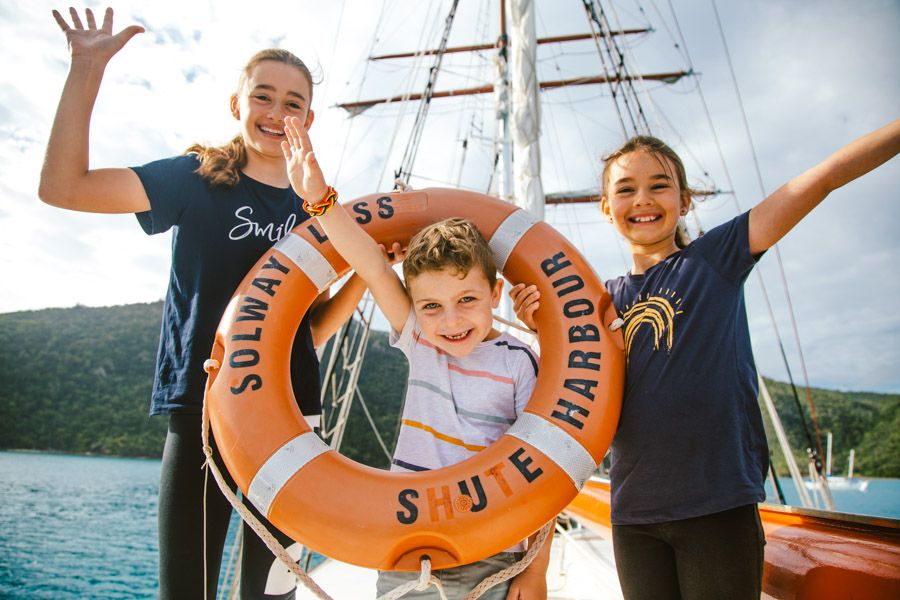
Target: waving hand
67, 181
303, 168
92, 43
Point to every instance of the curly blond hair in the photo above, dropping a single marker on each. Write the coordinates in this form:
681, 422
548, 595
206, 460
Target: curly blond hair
454, 244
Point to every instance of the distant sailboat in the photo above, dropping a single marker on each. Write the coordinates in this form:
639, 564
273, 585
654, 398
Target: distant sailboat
838, 482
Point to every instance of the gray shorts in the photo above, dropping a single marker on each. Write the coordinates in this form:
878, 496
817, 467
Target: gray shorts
456, 581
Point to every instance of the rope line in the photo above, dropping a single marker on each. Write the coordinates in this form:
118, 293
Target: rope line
365, 408
412, 147
513, 570
425, 580
268, 539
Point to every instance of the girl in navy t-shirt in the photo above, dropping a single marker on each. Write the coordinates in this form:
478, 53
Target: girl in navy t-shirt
225, 207
689, 458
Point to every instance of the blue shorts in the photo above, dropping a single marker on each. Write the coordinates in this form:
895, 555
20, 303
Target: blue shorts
456, 581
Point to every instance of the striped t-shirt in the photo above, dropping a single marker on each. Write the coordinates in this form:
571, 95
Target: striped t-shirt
456, 407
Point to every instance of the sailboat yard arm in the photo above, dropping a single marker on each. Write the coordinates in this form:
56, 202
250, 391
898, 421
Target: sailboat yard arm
355, 108
476, 47
772, 218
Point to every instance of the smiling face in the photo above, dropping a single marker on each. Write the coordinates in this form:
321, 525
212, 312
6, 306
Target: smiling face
455, 310
271, 91
644, 200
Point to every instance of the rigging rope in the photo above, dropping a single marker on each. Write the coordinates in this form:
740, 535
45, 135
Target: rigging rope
641, 82
365, 408
412, 147
481, 26
420, 54
620, 79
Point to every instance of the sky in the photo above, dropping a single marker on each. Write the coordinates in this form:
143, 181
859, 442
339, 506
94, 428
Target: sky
811, 77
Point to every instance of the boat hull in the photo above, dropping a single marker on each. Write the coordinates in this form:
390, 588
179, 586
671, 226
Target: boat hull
810, 554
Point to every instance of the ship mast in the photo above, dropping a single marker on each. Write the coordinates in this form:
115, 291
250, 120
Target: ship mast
519, 97
516, 149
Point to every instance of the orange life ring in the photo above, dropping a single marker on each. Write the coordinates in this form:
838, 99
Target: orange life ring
454, 515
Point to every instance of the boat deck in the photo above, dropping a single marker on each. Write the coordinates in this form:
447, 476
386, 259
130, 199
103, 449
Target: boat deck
581, 568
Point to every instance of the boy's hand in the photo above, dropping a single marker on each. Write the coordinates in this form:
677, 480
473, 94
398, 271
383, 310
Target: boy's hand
530, 584
395, 255
525, 303
302, 167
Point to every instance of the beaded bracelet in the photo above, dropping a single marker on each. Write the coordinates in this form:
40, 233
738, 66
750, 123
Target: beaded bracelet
322, 206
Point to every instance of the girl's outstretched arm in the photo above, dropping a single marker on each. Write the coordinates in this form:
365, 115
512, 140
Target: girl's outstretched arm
772, 218
66, 178
349, 239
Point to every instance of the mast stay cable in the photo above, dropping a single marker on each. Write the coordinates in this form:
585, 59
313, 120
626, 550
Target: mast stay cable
412, 147
815, 449
811, 447
621, 79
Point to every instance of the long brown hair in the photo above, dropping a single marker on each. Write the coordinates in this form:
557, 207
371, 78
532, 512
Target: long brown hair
658, 148
221, 165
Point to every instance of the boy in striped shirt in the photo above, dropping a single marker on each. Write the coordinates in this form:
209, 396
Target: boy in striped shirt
467, 381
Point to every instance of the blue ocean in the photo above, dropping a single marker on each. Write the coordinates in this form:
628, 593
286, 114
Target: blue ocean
85, 527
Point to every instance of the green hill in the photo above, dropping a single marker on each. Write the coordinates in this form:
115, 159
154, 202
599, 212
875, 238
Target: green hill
78, 380
868, 422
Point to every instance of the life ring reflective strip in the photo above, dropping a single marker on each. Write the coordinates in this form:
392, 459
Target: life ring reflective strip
455, 515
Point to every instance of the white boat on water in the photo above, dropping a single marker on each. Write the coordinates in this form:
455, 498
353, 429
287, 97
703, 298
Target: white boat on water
838, 482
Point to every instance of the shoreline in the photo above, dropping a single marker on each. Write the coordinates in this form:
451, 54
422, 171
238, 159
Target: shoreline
73, 453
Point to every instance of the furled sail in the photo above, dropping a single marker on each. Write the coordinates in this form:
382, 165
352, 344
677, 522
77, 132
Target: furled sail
528, 192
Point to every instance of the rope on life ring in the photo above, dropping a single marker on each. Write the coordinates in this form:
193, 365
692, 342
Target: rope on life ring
454, 515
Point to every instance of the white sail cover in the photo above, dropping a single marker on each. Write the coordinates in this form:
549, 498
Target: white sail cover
526, 113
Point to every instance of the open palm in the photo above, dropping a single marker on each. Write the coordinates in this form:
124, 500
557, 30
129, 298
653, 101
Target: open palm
302, 167
91, 42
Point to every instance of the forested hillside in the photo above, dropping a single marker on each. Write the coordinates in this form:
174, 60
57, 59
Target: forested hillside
868, 422
78, 380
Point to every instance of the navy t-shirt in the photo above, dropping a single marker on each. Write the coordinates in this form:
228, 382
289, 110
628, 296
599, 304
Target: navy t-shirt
690, 440
218, 234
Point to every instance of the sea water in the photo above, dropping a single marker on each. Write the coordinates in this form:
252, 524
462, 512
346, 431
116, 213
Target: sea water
85, 527
881, 497
78, 527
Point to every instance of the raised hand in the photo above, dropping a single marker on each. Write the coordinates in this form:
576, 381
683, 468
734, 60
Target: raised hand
91, 43
302, 167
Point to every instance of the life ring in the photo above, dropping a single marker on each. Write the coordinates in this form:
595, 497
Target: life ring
454, 515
